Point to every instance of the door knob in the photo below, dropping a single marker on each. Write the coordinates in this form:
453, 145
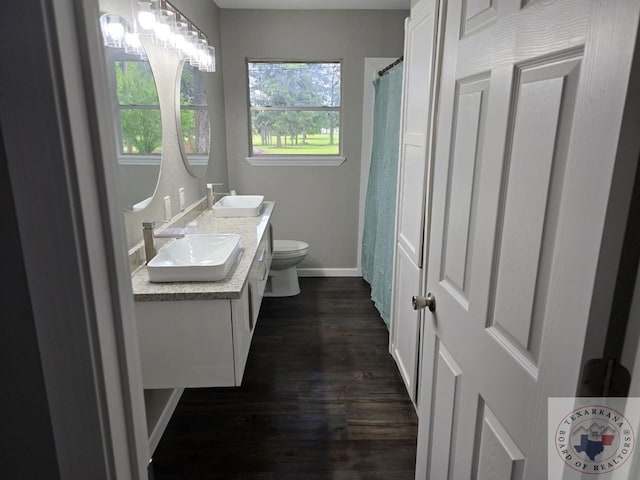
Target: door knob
419, 302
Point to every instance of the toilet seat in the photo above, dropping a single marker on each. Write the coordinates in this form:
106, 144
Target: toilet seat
289, 248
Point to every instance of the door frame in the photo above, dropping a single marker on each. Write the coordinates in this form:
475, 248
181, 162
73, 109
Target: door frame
427, 350
122, 341
72, 232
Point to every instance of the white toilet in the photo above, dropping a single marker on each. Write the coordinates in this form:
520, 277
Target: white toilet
283, 277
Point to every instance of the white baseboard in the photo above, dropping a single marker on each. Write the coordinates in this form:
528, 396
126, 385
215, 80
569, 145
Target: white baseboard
329, 272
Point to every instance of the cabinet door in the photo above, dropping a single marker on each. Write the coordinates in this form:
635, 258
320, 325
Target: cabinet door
246, 309
186, 344
259, 274
242, 331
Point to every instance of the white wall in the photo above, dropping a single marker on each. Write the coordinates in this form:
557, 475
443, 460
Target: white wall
318, 205
165, 66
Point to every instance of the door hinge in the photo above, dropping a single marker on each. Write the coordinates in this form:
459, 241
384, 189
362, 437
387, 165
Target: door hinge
604, 377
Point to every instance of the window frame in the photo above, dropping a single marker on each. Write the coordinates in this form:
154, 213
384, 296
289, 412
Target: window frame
114, 56
295, 159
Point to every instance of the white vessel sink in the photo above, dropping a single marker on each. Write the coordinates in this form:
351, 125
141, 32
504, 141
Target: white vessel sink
238, 206
195, 258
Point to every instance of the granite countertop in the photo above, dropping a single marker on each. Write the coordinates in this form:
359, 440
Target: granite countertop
252, 230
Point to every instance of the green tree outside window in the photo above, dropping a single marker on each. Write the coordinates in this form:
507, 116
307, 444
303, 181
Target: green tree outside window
194, 114
140, 124
295, 108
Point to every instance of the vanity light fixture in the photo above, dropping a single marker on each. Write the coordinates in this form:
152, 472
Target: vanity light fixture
167, 26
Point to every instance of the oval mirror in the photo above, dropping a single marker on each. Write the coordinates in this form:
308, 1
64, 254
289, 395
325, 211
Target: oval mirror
136, 120
193, 124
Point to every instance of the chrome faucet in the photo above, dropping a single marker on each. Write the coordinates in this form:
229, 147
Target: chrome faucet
212, 194
149, 234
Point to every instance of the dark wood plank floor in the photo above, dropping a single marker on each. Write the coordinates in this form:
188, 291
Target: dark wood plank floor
321, 399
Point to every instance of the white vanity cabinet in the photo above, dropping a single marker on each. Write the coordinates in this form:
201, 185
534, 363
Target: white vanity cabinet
198, 334
202, 343
190, 343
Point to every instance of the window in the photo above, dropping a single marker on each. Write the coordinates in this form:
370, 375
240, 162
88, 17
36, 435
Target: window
194, 128
295, 110
139, 129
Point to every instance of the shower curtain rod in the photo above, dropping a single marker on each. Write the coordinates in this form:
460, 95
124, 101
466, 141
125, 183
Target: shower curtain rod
389, 67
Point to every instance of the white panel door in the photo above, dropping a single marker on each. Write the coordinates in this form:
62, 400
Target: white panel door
406, 341
412, 177
529, 116
417, 94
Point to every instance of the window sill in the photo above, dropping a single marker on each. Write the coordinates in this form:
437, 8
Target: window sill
293, 161
139, 160
198, 160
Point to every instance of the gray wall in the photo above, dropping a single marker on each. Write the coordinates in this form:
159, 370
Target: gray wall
165, 66
318, 205
136, 181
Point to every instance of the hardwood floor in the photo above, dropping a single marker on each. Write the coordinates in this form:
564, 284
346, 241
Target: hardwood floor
321, 399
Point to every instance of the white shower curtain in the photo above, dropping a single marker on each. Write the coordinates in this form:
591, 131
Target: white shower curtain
379, 222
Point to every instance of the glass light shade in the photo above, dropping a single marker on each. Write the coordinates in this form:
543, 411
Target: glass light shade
191, 47
113, 28
212, 53
163, 25
146, 16
133, 45
201, 48
209, 60
178, 39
